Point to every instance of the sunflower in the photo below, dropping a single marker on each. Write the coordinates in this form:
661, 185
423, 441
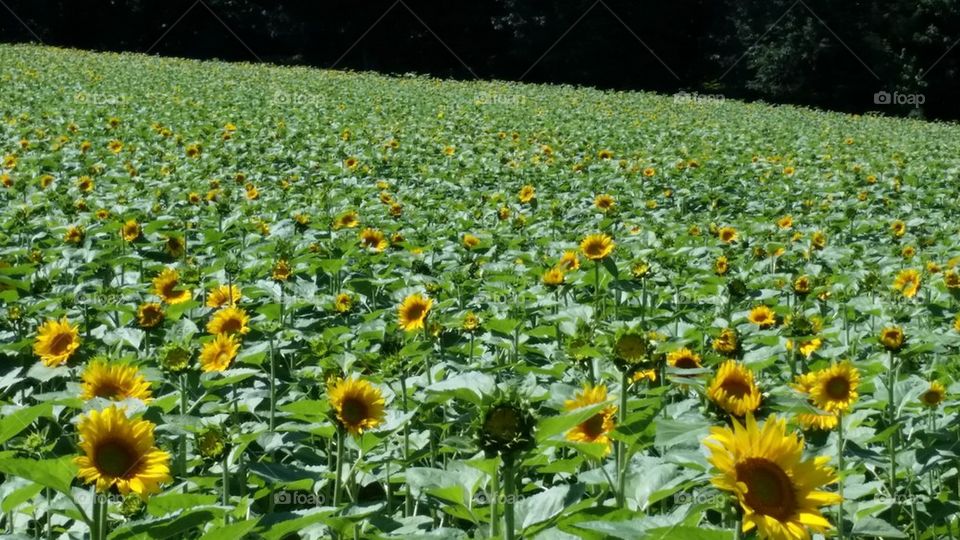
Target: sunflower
605, 154
471, 322
818, 421
762, 316
727, 235
229, 320
166, 286
373, 239
907, 282
898, 228
115, 382
174, 246
933, 396
281, 270
684, 358
507, 427
56, 341
764, 467
223, 295
85, 184
347, 220
952, 280
835, 388
343, 303
631, 348
553, 277
120, 452
604, 202
75, 234
892, 338
733, 389
802, 286
595, 428
358, 405
218, 353
727, 343
597, 247
721, 266
527, 194
569, 261
818, 240
130, 230
149, 314
470, 241
785, 222
413, 312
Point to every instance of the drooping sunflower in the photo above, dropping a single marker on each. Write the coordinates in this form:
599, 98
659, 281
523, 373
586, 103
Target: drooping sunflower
357, 404
762, 316
727, 343
413, 312
527, 194
684, 358
149, 314
597, 247
115, 382
130, 230
907, 282
167, 287
596, 428
218, 353
835, 388
120, 452
554, 277
892, 338
223, 295
934, 395
727, 235
229, 320
604, 202
763, 467
56, 341
734, 390
373, 239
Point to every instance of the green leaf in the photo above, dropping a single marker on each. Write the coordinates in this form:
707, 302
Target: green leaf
546, 504
165, 527
162, 505
17, 421
555, 425
56, 474
871, 526
233, 531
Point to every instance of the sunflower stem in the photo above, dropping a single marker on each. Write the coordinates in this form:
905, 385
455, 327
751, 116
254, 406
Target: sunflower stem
596, 287
97, 521
622, 457
840, 474
338, 481
226, 484
509, 487
494, 506
182, 446
892, 442
273, 387
408, 497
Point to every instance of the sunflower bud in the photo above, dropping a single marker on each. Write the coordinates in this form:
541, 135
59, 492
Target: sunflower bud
507, 427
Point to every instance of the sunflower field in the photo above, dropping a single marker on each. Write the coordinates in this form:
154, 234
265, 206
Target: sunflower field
243, 301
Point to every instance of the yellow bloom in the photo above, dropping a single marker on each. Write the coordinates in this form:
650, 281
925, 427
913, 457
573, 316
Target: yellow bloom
130, 230
684, 359
763, 467
166, 286
605, 154
470, 241
358, 405
785, 222
604, 202
347, 220
595, 428
413, 312
892, 338
569, 261
343, 303
373, 239
934, 395
907, 282
223, 295
56, 342
229, 320
281, 270
115, 382
835, 388
727, 343
119, 452
75, 234
721, 265
597, 247
149, 314
734, 390
527, 194
818, 240
728, 235
218, 353
898, 228
553, 277
762, 316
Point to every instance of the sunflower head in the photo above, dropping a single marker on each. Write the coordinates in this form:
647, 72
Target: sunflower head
907, 282
470, 241
413, 311
684, 358
802, 286
762, 316
785, 222
56, 342
223, 295
119, 452
597, 247
892, 338
721, 266
229, 320
835, 388
507, 427
74, 235
357, 405
604, 202
734, 390
727, 343
373, 240
175, 358
727, 235
130, 230
554, 277
596, 428
631, 351
569, 261
211, 442
343, 303
113, 381
347, 220
281, 271
527, 194
150, 315
934, 395
763, 467
218, 353
471, 322
167, 287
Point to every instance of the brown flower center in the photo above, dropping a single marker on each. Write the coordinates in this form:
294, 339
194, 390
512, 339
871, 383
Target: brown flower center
60, 343
769, 490
838, 388
115, 458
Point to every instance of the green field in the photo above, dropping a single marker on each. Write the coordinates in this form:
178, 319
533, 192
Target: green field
466, 309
